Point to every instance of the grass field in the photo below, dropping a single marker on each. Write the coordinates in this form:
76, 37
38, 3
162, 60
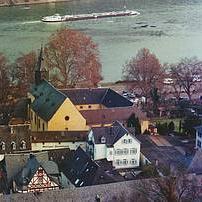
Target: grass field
176, 121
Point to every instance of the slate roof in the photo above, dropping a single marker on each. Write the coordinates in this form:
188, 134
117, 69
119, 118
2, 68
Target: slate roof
58, 136
111, 133
80, 169
104, 96
81, 96
47, 99
26, 174
167, 156
113, 99
107, 116
16, 162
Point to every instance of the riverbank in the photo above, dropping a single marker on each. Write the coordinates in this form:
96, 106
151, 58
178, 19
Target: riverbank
7, 3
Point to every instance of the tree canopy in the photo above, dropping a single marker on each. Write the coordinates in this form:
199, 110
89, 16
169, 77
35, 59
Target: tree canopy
72, 59
4, 80
145, 70
186, 75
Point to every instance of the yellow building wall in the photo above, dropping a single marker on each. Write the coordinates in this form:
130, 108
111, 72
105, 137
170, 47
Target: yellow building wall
67, 110
37, 123
89, 107
144, 125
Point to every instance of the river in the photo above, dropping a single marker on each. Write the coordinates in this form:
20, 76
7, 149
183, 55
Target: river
172, 29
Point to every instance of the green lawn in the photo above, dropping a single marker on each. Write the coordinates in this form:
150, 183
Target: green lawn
176, 121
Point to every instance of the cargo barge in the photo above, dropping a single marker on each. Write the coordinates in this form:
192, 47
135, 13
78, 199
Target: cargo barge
59, 18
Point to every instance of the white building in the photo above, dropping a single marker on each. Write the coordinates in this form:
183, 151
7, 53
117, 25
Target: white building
198, 137
115, 144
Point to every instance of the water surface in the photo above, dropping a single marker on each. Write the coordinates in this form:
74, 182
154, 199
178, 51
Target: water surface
174, 29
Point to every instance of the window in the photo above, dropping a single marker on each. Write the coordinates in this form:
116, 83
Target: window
199, 134
89, 106
118, 162
133, 151
125, 141
125, 151
110, 152
66, 118
23, 144
39, 123
81, 107
35, 119
31, 115
199, 143
43, 126
103, 139
133, 161
129, 140
3, 146
13, 145
77, 181
119, 152
125, 161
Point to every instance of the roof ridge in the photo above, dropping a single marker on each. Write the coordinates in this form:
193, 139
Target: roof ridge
107, 89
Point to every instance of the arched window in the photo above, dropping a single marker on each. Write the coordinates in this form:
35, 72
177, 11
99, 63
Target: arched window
13, 145
103, 139
3, 146
23, 144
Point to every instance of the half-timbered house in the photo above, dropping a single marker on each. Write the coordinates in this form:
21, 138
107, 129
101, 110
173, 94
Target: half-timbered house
34, 178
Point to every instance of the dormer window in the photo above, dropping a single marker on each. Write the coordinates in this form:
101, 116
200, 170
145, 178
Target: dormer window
23, 144
13, 145
3, 146
103, 139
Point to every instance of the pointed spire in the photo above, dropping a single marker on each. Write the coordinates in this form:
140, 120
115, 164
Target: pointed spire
38, 67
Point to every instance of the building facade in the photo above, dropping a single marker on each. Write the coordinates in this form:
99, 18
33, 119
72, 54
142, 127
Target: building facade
198, 137
115, 144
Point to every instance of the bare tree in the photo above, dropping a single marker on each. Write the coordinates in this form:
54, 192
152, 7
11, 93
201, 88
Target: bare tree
186, 75
4, 80
72, 58
24, 71
169, 189
145, 71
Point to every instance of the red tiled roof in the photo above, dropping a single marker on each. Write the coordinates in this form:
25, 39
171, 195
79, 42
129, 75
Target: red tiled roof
104, 116
58, 136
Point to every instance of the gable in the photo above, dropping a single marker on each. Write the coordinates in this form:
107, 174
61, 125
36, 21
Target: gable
41, 180
113, 99
127, 139
67, 117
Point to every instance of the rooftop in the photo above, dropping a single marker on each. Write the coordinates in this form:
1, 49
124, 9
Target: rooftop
157, 148
104, 96
106, 116
111, 133
58, 136
47, 99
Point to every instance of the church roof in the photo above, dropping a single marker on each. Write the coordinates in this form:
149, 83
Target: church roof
47, 99
105, 96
